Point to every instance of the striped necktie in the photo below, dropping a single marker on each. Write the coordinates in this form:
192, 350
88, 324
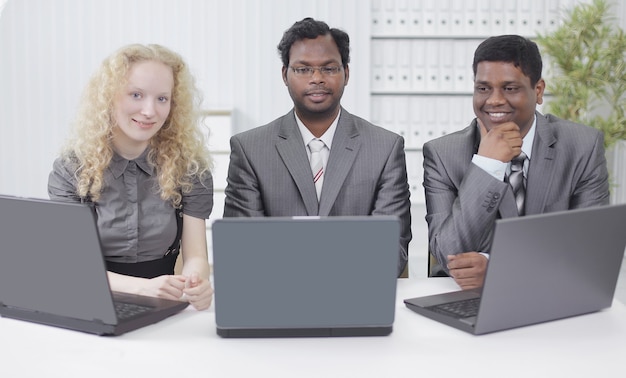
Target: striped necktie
317, 167
518, 181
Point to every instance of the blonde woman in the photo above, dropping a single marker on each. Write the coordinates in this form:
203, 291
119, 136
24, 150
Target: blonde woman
138, 155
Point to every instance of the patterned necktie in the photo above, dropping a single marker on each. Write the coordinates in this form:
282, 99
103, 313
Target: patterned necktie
317, 167
518, 181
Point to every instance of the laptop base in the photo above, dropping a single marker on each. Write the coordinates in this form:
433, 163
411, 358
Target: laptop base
460, 324
92, 327
95, 326
304, 332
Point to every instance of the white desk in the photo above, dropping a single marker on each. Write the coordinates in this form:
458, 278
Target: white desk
186, 345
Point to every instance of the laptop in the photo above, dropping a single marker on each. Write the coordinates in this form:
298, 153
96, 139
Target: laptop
52, 271
542, 268
305, 276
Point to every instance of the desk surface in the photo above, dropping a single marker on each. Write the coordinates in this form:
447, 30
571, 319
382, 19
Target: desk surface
187, 345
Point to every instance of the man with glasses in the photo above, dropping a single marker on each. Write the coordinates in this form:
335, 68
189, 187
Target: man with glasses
318, 159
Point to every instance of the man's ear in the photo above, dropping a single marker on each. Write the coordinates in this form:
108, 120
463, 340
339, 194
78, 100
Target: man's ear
284, 73
539, 88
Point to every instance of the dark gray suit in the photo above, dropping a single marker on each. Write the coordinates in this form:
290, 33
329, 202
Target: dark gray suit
269, 174
567, 170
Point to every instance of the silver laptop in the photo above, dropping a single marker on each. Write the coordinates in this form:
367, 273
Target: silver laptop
306, 276
52, 271
542, 268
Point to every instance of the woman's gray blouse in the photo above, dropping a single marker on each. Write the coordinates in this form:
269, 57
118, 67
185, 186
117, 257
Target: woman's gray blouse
134, 223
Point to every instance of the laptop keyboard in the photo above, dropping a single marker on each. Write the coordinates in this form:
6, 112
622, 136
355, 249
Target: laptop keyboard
128, 310
459, 309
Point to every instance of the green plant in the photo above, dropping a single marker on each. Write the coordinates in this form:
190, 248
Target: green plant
587, 83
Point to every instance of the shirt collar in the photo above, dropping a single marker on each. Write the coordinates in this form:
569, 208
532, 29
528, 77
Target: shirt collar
327, 137
119, 164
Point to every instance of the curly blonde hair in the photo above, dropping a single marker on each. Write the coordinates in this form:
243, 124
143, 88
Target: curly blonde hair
178, 150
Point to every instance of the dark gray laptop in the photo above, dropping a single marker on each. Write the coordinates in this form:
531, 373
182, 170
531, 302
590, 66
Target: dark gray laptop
52, 271
305, 277
542, 268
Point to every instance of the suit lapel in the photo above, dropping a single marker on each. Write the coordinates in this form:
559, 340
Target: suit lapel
290, 147
344, 150
543, 158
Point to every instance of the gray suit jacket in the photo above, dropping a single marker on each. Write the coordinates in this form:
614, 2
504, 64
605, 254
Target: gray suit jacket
567, 170
270, 175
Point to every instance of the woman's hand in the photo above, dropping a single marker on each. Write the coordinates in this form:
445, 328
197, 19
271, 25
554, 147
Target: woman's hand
166, 286
198, 292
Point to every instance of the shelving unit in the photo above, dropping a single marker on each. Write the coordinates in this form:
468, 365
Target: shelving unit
421, 63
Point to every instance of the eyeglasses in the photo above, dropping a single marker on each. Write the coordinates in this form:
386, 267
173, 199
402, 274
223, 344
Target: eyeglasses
307, 71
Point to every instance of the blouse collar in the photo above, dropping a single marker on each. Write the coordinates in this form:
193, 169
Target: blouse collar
119, 164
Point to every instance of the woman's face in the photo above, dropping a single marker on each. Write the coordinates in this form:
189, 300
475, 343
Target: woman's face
142, 107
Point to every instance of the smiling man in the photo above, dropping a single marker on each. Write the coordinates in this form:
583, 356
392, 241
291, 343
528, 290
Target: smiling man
318, 159
470, 176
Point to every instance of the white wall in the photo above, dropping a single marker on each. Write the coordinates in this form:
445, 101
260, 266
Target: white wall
49, 48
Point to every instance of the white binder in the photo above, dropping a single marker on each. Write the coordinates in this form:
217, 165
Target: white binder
525, 18
432, 65
484, 18
461, 113
497, 17
443, 110
417, 126
415, 175
401, 124
538, 16
446, 65
403, 59
390, 71
387, 109
444, 18
418, 61
471, 17
430, 118
553, 13
457, 17
378, 65
403, 18
416, 17
511, 17
429, 11
388, 27
376, 17
462, 66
